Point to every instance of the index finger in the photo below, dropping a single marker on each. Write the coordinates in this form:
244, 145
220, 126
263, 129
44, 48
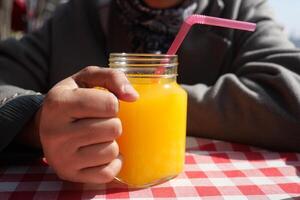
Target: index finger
113, 80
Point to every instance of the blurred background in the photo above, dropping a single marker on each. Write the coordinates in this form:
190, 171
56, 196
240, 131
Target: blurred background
19, 16
287, 14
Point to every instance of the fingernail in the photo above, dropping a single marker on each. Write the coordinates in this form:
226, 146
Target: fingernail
128, 89
116, 105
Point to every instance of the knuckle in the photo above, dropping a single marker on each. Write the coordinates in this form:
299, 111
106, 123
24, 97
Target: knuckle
107, 174
116, 74
82, 104
116, 128
114, 149
112, 104
66, 175
79, 99
89, 69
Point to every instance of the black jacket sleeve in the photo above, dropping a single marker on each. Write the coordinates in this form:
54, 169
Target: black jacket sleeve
257, 101
23, 77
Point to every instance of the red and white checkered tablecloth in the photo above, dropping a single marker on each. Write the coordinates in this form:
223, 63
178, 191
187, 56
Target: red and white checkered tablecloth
213, 170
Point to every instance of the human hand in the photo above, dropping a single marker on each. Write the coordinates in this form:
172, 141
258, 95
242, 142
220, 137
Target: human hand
78, 125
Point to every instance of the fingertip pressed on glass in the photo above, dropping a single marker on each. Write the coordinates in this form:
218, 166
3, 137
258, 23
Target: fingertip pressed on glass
154, 127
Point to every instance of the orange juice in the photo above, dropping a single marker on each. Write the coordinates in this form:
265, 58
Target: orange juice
153, 139
154, 127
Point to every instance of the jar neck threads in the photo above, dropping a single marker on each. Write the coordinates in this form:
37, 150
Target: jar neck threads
145, 65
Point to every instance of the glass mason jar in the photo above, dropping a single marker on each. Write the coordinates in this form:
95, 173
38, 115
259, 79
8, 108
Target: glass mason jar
154, 127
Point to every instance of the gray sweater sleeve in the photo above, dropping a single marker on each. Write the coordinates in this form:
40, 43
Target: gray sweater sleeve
23, 76
258, 101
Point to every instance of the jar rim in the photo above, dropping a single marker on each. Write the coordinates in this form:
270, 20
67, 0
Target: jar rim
146, 65
144, 54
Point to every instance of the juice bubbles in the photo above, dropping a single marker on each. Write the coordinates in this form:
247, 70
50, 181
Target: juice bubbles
154, 127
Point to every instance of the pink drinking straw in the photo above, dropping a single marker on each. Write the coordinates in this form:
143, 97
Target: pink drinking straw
206, 20
213, 21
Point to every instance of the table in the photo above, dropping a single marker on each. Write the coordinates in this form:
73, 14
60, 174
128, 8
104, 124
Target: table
213, 170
